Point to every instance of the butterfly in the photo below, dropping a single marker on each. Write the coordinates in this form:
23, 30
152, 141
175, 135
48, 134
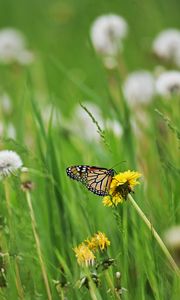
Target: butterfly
96, 179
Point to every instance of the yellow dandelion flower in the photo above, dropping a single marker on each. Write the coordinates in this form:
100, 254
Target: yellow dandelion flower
121, 185
98, 241
91, 244
101, 240
84, 255
109, 201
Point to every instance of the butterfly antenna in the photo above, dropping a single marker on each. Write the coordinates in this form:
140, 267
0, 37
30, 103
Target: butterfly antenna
121, 162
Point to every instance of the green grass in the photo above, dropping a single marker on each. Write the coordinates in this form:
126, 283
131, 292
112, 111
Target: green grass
66, 71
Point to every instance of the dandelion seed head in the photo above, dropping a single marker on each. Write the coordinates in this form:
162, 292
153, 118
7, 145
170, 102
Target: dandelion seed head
118, 275
167, 45
13, 47
172, 237
139, 88
168, 84
107, 33
10, 162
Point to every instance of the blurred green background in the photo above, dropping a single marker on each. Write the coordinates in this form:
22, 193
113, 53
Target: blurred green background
66, 71
60, 30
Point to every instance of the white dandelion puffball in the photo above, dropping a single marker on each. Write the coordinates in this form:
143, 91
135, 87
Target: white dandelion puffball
172, 237
139, 87
10, 162
167, 45
13, 47
168, 84
82, 124
107, 33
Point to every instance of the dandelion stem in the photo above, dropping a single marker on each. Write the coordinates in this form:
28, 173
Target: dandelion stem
38, 246
18, 281
11, 228
92, 291
156, 235
108, 278
7, 196
122, 67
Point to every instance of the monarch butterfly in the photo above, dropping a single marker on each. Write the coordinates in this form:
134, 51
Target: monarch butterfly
96, 179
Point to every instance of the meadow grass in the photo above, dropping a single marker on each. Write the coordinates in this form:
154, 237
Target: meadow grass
39, 228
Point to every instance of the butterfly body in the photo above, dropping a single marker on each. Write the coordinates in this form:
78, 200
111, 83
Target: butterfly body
96, 179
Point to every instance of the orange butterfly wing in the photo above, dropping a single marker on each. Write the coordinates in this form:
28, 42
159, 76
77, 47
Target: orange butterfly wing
96, 179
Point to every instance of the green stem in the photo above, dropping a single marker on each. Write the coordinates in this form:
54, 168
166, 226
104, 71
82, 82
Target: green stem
18, 281
110, 283
156, 235
7, 196
38, 246
11, 236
